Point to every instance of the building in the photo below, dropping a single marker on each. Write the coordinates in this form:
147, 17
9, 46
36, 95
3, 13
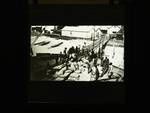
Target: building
77, 31
92, 32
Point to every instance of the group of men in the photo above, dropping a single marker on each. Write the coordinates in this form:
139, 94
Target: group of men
86, 65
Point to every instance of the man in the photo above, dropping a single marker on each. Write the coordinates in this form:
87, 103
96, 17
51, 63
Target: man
92, 53
60, 57
99, 67
102, 61
73, 49
93, 72
106, 63
99, 53
65, 51
76, 50
79, 48
97, 73
57, 58
83, 50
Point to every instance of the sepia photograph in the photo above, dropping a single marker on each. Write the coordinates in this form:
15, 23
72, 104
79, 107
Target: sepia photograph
77, 53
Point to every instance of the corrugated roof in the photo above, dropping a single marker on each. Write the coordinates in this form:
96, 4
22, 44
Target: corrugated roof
77, 28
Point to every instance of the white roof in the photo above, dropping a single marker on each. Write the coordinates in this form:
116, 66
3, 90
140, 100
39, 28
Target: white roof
110, 29
46, 27
107, 27
77, 28
36, 26
49, 27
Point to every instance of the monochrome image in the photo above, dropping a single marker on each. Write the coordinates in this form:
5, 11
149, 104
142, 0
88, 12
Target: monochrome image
77, 53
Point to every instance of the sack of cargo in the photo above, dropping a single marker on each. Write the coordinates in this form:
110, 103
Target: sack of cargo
59, 79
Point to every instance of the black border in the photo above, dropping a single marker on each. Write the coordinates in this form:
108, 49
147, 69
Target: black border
81, 92
15, 82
